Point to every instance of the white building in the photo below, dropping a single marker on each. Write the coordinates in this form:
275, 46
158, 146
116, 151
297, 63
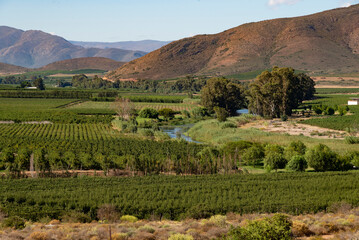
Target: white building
353, 102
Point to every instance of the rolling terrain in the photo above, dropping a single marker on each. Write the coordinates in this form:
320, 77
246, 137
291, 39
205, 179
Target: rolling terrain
326, 42
144, 45
100, 63
6, 69
34, 49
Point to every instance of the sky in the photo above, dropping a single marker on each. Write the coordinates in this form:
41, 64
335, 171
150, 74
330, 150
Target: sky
133, 20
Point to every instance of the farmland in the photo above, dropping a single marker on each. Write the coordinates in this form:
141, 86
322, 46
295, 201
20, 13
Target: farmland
178, 197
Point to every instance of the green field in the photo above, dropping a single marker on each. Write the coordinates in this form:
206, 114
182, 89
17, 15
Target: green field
349, 121
176, 197
212, 132
107, 107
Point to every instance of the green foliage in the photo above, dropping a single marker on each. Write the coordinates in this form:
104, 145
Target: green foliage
221, 114
277, 227
321, 158
179, 236
297, 164
276, 93
167, 113
175, 197
14, 222
148, 113
128, 218
39, 83
220, 92
199, 112
274, 160
253, 155
218, 220
352, 140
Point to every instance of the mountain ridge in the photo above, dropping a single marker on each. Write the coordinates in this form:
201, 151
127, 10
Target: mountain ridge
321, 42
34, 48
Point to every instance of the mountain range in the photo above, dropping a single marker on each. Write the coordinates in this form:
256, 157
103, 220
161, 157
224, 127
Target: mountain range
33, 49
326, 42
144, 45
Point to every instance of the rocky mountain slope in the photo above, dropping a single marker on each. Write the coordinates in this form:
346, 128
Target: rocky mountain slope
323, 42
99, 63
35, 49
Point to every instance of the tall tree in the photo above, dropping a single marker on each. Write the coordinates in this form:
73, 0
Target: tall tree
276, 93
220, 92
39, 83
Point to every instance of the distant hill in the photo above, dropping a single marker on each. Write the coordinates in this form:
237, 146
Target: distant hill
35, 49
6, 69
324, 42
99, 63
144, 45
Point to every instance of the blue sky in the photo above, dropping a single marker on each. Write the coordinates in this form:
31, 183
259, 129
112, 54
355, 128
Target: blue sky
125, 20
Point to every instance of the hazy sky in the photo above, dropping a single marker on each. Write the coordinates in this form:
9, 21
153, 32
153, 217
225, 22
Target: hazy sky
124, 20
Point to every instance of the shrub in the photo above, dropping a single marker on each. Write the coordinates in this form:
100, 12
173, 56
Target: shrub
253, 155
277, 227
76, 217
284, 118
128, 218
147, 132
352, 140
199, 112
218, 220
148, 113
39, 236
321, 158
147, 228
297, 164
274, 160
329, 111
179, 236
167, 113
317, 109
119, 236
14, 222
228, 125
221, 114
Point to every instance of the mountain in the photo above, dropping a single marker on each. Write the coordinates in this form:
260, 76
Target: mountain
144, 45
99, 63
323, 42
36, 48
7, 69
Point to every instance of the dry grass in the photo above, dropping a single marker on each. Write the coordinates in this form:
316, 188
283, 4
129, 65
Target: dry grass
341, 223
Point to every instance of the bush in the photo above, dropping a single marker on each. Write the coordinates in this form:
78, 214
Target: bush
39, 236
352, 140
14, 222
148, 113
228, 125
147, 132
199, 112
179, 236
218, 220
253, 155
275, 228
120, 236
297, 164
167, 113
274, 160
321, 158
128, 218
329, 111
221, 114
147, 228
76, 217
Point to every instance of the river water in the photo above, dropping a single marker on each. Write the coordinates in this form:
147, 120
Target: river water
177, 132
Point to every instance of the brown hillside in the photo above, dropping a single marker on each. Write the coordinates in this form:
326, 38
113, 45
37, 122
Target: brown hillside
83, 63
6, 69
327, 41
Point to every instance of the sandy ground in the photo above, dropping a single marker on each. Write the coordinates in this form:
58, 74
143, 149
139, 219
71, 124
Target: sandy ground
292, 127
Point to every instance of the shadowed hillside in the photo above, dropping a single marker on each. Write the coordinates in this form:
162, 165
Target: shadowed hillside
35, 49
11, 69
83, 63
327, 41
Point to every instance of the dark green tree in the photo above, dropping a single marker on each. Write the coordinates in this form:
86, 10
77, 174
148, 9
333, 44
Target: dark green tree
220, 92
276, 93
39, 83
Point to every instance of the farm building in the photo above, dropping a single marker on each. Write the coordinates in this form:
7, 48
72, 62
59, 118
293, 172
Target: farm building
353, 101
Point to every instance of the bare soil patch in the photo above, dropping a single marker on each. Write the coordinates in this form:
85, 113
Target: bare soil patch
293, 127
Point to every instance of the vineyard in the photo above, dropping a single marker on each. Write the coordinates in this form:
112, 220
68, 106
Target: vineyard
350, 121
82, 132
106, 107
177, 197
